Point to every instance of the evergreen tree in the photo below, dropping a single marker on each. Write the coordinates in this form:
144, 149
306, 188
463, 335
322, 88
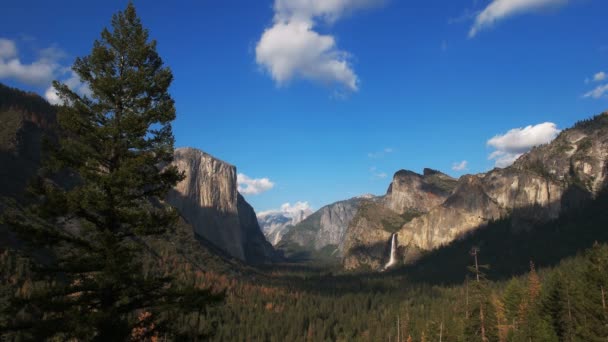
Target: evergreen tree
114, 147
481, 323
595, 283
532, 325
558, 305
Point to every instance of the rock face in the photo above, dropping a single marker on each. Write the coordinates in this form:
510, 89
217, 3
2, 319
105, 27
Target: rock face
325, 229
540, 186
276, 223
208, 199
367, 238
24, 119
410, 191
409, 195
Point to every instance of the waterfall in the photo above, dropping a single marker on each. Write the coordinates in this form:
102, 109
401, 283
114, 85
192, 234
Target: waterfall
393, 257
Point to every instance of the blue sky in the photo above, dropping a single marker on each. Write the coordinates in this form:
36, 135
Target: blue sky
326, 99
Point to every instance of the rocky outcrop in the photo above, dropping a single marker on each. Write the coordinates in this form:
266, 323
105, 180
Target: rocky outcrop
208, 199
367, 239
255, 246
274, 226
24, 119
539, 186
409, 195
410, 191
275, 223
326, 228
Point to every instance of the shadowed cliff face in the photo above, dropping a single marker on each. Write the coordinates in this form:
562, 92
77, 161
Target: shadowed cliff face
25, 118
542, 185
324, 229
208, 199
255, 246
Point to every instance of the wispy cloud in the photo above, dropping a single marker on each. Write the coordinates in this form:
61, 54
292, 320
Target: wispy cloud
291, 48
41, 72
460, 166
74, 83
597, 77
377, 174
253, 186
600, 76
598, 92
289, 210
464, 17
511, 145
380, 154
501, 9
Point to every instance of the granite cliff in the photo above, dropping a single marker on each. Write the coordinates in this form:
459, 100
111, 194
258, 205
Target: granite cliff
208, 199
540, 186
321, 235
412, 192
24, 119
367, 239
275, 223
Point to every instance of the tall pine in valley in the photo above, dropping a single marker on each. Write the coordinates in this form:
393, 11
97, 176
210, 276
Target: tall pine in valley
101, 197
481, 322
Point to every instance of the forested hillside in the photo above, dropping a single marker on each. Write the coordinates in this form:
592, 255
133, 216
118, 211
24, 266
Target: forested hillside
108, 234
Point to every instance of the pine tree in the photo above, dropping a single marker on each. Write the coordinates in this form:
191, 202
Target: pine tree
481, 323
558, 305
109, 177
532, 323
594, 285
512, 298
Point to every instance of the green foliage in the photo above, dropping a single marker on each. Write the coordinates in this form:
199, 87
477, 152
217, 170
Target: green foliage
593, 123
115, 145
585, 144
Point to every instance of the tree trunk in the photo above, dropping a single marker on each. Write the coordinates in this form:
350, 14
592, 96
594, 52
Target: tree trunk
603, 298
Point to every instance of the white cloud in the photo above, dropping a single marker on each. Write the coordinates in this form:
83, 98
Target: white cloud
600, 76
504, 159
8, 49
380, 154
292, 49
460, 166
377, 174
599, 92
500, 9
253, 186
74, 83
289, 210
39, 72
328, 10
511, 145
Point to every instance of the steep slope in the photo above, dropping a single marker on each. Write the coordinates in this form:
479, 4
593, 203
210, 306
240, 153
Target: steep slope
410, 191
208, 199
541, 185
276, 223
321, 235
368, 237
25, 118
343, 229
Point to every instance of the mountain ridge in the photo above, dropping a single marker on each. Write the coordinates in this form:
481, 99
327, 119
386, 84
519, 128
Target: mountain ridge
540, 186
